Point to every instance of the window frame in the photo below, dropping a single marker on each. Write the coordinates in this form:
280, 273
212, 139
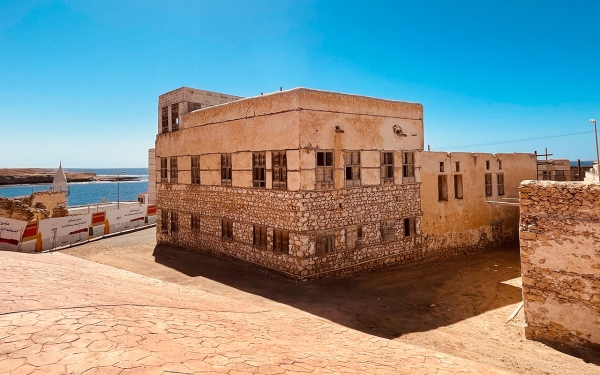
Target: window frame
164, 221
174, 117
488, 185
195, 170
259, 236
325, 242
352, 165
226, 229
386, 167
388, 230
458, 187
324, 171
500, 184
281, 241
195, 222
442, 187
279, 170
408, 166
410, 226
164, 173
259, 169
226, 170
165, 119
355, 241
173, 170
174, 222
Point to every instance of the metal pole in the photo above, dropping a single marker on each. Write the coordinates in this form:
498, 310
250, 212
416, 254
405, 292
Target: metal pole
597, 157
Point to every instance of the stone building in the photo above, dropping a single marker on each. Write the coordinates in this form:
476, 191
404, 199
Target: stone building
554, 169
310, 182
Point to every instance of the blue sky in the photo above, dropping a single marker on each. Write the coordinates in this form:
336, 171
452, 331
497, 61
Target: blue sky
79, 80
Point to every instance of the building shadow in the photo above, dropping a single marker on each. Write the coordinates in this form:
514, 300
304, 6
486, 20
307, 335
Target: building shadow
388, 302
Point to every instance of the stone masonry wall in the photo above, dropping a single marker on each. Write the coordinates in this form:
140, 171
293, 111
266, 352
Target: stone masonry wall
560, 257
303, 214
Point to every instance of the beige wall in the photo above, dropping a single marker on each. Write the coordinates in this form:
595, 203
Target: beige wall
299, 121
467, 222
560, 261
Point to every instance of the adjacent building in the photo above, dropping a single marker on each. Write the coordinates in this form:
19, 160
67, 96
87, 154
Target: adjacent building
310, 182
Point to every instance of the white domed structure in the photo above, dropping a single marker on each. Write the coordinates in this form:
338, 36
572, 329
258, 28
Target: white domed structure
59, 184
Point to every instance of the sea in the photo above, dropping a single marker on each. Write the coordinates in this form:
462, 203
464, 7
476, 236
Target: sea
83, 193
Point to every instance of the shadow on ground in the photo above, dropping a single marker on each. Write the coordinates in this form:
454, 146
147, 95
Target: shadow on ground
388, 302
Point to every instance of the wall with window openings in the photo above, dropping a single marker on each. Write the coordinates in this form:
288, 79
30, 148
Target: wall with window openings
303, 181
455, 190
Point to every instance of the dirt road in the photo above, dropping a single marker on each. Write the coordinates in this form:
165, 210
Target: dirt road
458, 306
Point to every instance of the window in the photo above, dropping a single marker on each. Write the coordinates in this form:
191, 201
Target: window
388, 230
410, 228
499, 164
279, 161
260, 236
458, 186
458, 166
165, 119
258, 169
442, 187
174, 222
325, 242
488, 184
164, 221
174, 172
487, 165
195, 222
195, 170
324, 170
545, 175
226, 229
408, 167
500, 178
441, 166
175, 117
226, 169
354, 237
559, 176
164, 177
352, 165
194, 106
387, 167
281, 241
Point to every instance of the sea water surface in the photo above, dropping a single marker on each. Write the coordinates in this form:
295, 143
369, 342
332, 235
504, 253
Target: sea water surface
82, 193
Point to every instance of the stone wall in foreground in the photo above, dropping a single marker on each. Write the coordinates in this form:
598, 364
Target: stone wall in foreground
560, 260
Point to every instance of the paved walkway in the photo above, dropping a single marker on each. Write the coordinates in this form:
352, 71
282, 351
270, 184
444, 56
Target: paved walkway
65, 315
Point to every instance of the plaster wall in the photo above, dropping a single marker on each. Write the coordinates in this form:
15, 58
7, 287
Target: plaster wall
560, 260
469, 223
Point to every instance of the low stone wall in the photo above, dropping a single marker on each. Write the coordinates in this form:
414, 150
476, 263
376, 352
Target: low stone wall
560, 257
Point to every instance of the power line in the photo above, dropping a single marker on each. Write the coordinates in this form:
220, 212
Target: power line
515, 141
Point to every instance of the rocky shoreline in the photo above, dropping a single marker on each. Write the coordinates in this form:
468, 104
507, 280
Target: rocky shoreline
25, 176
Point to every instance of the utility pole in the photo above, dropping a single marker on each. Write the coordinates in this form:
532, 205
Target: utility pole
597, 157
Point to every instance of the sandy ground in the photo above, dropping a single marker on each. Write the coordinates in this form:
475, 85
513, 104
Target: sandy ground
458, 306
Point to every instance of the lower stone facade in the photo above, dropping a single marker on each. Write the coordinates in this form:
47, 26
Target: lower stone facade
304, 216
560, 260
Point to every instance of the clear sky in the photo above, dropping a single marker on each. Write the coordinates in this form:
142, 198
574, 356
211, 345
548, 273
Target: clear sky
80, 80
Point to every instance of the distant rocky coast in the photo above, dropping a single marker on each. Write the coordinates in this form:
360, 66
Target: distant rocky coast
24, 176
